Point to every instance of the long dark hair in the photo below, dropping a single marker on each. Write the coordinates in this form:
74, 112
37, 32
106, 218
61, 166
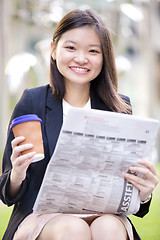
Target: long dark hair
106, 83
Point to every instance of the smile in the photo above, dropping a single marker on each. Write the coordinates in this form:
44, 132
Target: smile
80, 69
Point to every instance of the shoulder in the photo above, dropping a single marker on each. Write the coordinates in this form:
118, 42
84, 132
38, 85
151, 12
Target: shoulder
38, 91
31, 101
34, 92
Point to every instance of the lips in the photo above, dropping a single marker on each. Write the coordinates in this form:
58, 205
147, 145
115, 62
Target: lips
79, 69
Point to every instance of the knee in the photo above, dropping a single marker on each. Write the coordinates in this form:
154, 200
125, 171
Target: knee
76, 226
66, 227
107, 225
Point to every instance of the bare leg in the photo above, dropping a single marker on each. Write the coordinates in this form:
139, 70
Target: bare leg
108, 227
65, 227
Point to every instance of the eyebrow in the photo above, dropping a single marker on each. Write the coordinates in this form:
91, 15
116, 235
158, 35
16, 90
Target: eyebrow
91, 45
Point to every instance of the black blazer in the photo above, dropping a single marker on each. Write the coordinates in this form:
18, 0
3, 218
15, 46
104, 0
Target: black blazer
42, 102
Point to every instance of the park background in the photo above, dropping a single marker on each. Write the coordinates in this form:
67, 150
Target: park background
26, 29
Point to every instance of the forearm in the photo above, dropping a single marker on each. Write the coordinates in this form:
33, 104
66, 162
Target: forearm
14, 186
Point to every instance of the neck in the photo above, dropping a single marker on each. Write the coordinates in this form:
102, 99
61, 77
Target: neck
77, 97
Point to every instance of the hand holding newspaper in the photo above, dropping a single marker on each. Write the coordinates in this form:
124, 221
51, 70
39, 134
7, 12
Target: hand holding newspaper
84, 175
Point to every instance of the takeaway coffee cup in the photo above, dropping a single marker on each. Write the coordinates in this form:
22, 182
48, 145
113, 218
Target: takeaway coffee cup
29, 126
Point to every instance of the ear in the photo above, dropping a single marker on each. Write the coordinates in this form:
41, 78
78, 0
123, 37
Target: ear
52, 44
53, 50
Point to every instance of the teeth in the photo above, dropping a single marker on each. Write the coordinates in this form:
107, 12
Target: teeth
80, 69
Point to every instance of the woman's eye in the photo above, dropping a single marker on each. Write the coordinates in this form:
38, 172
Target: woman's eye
94, 51
70, 48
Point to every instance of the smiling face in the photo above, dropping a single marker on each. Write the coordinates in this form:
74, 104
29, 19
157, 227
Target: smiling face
78, 56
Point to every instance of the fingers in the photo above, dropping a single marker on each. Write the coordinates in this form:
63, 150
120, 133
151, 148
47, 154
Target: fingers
24, 160
20, 166
148, 182
148, 171
20, 162
17, 140
149, 165
145, 169
145, 172
18, 149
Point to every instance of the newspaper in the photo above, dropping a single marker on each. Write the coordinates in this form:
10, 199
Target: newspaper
84, 175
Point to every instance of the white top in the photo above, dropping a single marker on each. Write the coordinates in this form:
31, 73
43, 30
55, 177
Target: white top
67, 106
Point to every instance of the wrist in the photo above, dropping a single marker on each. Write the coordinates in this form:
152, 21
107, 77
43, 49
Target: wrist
147, 199
16, 178
14, 185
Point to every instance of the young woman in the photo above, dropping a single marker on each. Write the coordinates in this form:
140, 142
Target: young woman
82, 74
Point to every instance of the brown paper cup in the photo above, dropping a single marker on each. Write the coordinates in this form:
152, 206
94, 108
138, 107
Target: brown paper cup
29, 126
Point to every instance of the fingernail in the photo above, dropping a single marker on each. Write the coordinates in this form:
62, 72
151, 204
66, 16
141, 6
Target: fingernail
21, 137
31, 153
29, 144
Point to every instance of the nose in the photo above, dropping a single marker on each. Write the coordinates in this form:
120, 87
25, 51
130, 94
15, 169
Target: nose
81, 59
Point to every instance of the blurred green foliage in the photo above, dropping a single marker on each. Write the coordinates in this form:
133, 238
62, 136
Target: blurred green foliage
5, 213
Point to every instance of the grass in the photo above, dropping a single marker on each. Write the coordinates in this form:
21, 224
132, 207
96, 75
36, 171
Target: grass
5, 213
147, 227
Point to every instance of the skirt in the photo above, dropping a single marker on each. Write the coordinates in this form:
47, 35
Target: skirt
32, 225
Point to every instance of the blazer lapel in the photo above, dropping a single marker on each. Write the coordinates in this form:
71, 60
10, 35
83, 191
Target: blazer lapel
54, 120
